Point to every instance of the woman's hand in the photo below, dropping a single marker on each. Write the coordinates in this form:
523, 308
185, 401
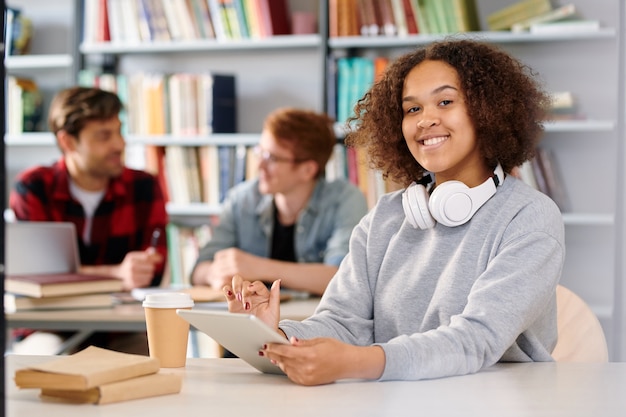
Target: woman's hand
325, 360
254, 298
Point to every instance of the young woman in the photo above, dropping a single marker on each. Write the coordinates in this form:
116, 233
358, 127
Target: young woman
456, 272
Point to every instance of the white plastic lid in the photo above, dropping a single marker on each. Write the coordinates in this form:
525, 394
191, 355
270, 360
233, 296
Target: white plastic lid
168, 300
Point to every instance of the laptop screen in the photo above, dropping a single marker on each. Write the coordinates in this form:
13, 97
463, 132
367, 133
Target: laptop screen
40, 248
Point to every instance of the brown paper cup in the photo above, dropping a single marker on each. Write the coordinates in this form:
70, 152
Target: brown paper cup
167, 332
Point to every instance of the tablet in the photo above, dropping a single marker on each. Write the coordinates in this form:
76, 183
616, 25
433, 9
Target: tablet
242, 334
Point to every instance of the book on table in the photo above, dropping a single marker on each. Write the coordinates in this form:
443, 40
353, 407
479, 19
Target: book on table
49, 285
100, 376
91, 367
130, 389
15, 302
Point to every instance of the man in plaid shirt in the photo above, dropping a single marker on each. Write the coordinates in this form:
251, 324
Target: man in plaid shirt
116, 210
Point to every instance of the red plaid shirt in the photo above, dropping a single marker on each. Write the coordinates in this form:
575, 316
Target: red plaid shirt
132, 207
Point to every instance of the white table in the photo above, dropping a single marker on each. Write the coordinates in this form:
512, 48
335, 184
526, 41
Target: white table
230, 387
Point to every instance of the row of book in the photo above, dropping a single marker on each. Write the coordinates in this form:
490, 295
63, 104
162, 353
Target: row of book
542, 172
181, 104
141, 21
24, 105
200, 174
353, 75
401, 17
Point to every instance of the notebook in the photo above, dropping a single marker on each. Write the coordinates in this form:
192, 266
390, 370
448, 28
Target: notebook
41, 248
242, 334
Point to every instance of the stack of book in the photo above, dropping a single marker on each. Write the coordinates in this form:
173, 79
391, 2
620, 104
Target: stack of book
540, 17
99, 376
58, 291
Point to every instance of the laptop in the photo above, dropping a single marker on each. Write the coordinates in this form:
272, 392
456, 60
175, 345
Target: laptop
40, 248
242, 334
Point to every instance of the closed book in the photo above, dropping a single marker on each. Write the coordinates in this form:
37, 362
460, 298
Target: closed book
280, 17
130, 389
49, 285
15, 302
88, 368
518, 12
564, 12
223, 112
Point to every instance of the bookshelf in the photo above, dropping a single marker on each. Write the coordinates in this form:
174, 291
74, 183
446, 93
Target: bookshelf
52, 64
292, 70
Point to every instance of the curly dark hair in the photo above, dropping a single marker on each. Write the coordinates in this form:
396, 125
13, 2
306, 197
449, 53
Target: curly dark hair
505, 101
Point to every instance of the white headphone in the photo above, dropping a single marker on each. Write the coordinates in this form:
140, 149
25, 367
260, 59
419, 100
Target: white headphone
451, 203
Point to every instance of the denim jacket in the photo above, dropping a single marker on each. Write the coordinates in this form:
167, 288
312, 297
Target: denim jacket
322, 231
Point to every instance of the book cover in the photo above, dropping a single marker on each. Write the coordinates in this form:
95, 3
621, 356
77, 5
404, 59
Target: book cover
91, 367
518, 12
368, 25
200, 11
186, 20
224, 104
156, 15
131, 389
171, 17
48, 285
226, 155
15, 302
229, 16
564, 12
252, 18
554, 182
388, 23
242, 18
344, 76
411, 18
280, 17
102, 22
209, 173
424, 25
465, 15
400, 17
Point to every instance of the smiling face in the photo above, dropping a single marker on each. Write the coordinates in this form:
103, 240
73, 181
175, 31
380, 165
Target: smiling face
436, 126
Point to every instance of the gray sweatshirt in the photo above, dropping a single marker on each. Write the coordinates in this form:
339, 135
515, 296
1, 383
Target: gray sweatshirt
448, 300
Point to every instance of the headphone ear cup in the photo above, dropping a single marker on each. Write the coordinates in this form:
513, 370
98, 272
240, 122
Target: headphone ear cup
451, 203
415, 205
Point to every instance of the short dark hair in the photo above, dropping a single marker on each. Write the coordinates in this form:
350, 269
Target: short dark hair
310, 135
505, 102
73, 107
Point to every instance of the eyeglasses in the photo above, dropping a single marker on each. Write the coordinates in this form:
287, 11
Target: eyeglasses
267, 156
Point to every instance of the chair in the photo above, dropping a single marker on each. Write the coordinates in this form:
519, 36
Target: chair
580, 335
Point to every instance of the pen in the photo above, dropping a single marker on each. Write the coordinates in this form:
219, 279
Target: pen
156, 234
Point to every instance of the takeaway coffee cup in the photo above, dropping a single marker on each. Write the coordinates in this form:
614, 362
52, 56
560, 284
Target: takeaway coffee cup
167, 332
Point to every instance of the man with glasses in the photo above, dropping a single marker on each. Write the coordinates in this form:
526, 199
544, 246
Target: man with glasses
289, 222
